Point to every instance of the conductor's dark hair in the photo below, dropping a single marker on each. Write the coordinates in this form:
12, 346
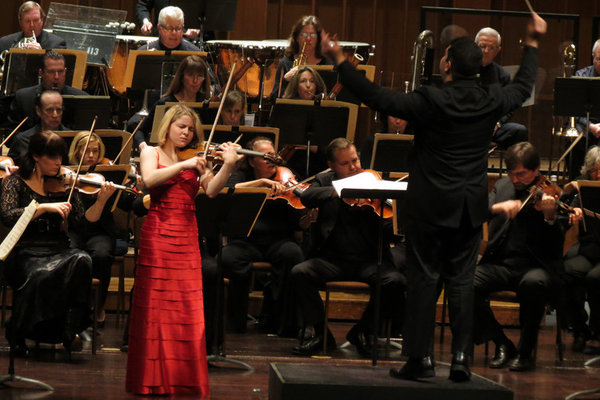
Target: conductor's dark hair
522, 153
45, 143
465, 57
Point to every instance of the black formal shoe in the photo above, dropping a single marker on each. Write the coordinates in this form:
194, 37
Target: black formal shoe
314, 345
521, 364
414, 369
459, 369
505, 352
578, 345
362, 340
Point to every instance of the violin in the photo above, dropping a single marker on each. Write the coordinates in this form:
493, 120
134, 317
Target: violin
5, 163
213, 154
89, 183
543, 185
293, 188
375, 204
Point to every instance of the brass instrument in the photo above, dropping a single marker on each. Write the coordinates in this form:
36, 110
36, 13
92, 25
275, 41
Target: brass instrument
422, 59
21, 44
299, 61
569, 54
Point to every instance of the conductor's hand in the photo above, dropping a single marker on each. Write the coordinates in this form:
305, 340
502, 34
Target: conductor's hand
535, 29
331, 48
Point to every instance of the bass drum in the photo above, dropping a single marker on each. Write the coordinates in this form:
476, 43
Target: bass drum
116, 73
265, 53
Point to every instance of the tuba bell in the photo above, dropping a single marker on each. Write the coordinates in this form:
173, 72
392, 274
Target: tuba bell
422, 59
569, 55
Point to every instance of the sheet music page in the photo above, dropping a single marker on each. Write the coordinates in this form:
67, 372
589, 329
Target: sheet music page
15, 233
366, 180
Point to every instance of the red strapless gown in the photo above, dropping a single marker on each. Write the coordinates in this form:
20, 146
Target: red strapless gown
167, 343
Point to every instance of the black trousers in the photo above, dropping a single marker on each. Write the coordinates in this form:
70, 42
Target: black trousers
436, 253
534, 288
237, 258
311, 275
583, 277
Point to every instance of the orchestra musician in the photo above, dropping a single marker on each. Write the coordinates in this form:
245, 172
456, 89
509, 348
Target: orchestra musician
523, 254
31, 20
51, 281
143, 8
167, 332
582, 268
453, 126
191, 83
234, 107
49, 109
272, 240
306, 84
99, 238
170, 32
52, 74
306, 34
345, 247
489, 41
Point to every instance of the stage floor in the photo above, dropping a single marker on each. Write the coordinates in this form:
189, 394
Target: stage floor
102, 376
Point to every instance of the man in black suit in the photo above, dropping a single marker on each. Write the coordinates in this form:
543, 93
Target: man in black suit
523, 254
345, 247
446, 200
52, 73
31, 19
170, 32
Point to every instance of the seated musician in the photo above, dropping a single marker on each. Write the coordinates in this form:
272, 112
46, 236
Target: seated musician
272, 240
49, 109
389, 124
306, 84
190, 84
523, 254
52, 74
505, 133
345, 247
143, 8
99, 237
31, 20
51, 281
233, 109
582, 268
170, 32
305, 35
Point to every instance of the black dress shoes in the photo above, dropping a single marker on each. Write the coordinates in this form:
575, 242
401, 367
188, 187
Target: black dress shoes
314, 345
414, 369
362, 340
459, 369
521, 364
505, 352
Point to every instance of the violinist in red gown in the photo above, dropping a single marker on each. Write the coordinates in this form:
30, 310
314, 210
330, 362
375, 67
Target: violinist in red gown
345, 247
167, 350
272, 240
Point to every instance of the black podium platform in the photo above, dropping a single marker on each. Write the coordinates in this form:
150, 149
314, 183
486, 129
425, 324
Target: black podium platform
289, 381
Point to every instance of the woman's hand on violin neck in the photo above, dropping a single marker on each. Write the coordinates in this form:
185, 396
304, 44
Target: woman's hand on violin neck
106, 190
510, 208
63, 209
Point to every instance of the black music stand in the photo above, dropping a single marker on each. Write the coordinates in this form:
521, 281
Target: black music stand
391, 153
309, 124
232, 212
577, 97
208, 15
79, 111
382, 194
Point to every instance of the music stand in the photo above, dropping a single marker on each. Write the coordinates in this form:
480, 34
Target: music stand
381, 190
228, 133
209, 15
232, 212
391, 153
577, 97
79, 111
313, 122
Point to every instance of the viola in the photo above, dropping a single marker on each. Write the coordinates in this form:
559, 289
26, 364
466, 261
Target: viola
5, 163
214, 154
293, 188
543, 185
375, 204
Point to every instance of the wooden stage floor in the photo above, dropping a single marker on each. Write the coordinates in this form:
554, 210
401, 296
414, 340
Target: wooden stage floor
103, 376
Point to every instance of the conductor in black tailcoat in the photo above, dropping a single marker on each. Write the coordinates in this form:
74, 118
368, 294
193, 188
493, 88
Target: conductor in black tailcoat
447, 191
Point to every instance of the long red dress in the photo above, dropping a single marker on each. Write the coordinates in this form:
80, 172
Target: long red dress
167, 343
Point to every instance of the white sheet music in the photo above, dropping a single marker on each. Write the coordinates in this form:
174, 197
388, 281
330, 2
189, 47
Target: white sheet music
366, 180
15, 233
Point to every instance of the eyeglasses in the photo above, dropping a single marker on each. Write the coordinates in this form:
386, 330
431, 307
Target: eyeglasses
304, 35
176, 29
520, 174
488, 47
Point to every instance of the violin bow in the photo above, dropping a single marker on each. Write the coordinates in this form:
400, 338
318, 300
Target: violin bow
212, 131
310, 178
13, 132
87, 142
114, 162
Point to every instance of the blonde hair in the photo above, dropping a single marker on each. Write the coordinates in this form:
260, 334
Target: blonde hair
172, 115
78, 144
